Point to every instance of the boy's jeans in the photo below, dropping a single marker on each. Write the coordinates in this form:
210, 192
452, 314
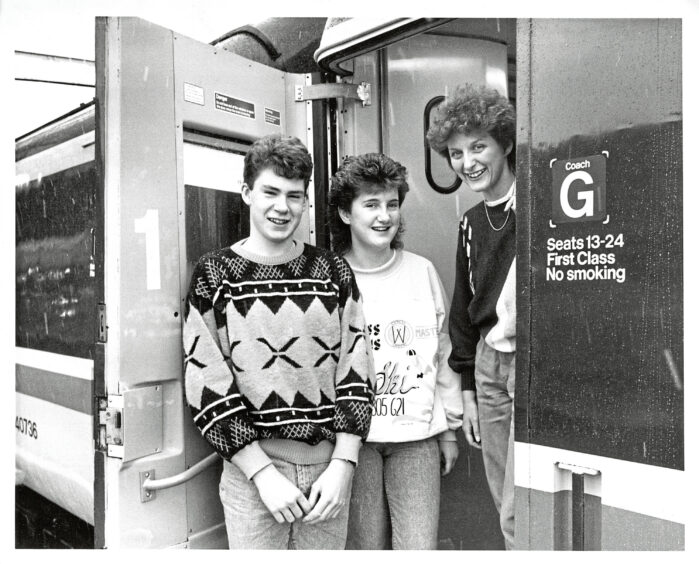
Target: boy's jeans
395, 496
495, 391
250, 525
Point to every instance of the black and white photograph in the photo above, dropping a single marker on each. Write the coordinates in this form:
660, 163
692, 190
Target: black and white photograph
291, 279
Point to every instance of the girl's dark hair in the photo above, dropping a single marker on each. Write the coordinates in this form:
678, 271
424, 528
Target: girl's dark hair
285, 156
370, 171
474, 108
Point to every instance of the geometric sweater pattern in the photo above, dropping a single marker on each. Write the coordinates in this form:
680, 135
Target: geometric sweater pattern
483, 304
276, 350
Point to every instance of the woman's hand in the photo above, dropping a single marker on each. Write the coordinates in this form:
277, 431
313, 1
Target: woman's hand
470, 426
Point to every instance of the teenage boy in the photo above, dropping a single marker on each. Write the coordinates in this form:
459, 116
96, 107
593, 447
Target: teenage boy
278, 374
474, 130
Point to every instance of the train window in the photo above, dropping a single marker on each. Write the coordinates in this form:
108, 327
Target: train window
55, 291
438, 173
215, 215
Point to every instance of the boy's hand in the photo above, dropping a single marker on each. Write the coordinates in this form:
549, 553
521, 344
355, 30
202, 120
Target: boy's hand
283, 499
331, 491
470, 426
448, 453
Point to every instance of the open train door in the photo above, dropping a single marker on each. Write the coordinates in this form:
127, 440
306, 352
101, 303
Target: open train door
174, 119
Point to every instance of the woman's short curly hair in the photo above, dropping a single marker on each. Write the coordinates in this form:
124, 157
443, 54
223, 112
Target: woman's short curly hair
285, 156
371, 172
474, 108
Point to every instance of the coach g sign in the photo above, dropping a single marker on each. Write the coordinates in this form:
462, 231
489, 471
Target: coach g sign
579, 189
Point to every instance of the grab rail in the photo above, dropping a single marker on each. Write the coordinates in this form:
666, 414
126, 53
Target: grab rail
149, 485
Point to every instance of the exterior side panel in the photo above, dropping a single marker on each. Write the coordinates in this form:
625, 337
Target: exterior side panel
550, 528
607, 352
143, 286
600, 262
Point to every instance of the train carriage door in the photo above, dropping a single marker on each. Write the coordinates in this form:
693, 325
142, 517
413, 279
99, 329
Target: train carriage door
175, 118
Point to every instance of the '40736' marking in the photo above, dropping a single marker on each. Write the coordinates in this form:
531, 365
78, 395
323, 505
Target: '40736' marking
26, 427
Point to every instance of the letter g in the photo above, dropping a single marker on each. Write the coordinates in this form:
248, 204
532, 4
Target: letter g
587, 196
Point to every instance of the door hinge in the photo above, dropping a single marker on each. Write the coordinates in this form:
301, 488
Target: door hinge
111, 427
101, 323
130, 425
361, 92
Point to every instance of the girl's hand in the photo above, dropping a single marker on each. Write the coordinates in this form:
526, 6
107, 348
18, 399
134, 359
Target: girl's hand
448, 453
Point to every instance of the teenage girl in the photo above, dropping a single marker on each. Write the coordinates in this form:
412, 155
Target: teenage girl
418, 406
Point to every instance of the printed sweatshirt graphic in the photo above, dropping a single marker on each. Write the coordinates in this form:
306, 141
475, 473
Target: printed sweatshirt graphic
417, 394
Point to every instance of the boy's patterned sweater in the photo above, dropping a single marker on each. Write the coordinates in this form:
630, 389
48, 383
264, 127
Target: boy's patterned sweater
275, 349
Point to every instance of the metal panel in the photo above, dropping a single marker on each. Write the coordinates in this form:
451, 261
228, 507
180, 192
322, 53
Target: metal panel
603, 372
142, 263
143, 422
240, 80
600, 302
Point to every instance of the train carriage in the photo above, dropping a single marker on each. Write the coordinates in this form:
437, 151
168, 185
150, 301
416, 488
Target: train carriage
116, 201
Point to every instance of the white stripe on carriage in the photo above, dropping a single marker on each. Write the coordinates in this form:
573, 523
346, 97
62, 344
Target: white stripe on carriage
52, 362
203, 411
205, 429
624, 484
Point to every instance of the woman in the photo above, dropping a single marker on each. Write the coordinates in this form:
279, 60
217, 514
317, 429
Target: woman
395, 492
474, 129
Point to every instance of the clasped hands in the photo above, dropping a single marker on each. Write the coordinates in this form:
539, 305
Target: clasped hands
328, 495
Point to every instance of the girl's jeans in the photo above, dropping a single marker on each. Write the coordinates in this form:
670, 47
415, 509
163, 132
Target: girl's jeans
395, 496
250, 525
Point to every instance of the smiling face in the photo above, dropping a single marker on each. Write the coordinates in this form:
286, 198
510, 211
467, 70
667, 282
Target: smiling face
276, 205
374, 219
480, 162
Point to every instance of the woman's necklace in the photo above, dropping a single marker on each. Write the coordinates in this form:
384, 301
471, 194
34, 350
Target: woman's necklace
491, 223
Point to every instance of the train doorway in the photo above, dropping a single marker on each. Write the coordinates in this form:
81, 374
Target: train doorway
175, 118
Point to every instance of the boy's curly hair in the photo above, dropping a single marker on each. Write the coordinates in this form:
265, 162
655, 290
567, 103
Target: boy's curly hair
285, 156
474, 108
374, 172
